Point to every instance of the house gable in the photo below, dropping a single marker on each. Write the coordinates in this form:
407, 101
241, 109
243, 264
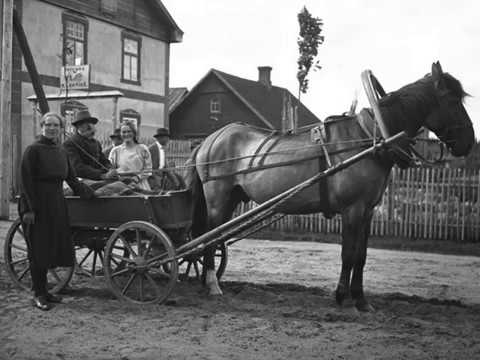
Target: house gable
268, 101
193, 118
242, 100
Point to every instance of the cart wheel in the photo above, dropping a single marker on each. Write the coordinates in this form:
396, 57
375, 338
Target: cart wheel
138, 275
18, 266
89, 258
191, 267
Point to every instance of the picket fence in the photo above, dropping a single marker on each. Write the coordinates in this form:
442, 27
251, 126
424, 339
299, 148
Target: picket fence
419, 203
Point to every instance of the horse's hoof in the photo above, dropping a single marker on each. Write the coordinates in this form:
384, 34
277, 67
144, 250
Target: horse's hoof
212, 283
215, 291
363, 306
340, 296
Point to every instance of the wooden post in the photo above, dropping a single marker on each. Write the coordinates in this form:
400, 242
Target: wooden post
34, 119
6, 109
30, 63
295, 119
284, 113
114, 114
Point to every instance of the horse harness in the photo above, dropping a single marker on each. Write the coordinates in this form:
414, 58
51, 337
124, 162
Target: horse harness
257, 159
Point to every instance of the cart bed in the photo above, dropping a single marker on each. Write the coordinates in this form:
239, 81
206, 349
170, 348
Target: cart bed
169, 211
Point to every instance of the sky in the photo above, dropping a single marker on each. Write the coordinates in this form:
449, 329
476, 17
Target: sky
397, 40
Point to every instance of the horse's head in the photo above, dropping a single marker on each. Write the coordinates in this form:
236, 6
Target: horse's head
449, 120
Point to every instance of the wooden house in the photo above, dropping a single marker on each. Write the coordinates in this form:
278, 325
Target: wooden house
110, 56
220, 98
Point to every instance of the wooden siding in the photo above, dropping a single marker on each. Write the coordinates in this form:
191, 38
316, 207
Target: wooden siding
136, 15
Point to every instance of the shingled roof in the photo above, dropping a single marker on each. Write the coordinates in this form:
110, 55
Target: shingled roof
266, 102
177, 33
175, 96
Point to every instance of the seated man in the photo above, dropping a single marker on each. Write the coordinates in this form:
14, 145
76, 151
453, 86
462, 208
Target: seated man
85, 152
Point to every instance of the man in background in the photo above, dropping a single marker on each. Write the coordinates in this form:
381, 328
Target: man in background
116, 140
157, 149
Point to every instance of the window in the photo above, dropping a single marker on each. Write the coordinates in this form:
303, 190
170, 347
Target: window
132, 116
131, 46
74, 40
215, 106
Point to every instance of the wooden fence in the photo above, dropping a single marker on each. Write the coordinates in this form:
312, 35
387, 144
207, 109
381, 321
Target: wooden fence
419, 203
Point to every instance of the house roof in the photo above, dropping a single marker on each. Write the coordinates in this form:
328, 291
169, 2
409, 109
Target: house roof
265, 102
175, 96
177, 33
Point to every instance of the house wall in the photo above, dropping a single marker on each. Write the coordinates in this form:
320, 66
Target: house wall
42, 22
134, 15
193, 119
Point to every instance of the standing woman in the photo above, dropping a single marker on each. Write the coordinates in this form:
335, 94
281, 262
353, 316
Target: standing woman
131, 157
42, 206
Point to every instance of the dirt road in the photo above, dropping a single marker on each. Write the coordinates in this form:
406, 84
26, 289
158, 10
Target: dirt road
278, 304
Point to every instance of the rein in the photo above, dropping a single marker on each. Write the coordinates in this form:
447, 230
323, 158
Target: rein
363, 143
70, 136
274, 165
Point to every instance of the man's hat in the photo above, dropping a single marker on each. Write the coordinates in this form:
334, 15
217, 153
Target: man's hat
116, 134
162, 132
82, 116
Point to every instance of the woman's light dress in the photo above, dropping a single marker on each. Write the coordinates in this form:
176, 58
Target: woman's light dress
133, 159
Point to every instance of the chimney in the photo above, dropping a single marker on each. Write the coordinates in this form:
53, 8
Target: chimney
264, 75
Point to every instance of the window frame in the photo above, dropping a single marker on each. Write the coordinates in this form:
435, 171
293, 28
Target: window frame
138, 39
127, 114
68, 17
215, 106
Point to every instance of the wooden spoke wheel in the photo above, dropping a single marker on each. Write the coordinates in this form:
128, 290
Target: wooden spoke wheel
138, 276
89, 257
17, 264
191, 267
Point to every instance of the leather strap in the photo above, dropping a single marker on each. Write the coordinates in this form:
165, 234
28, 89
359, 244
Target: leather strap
260, 147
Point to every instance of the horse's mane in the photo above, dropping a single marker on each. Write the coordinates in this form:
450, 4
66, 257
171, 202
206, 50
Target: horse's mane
455, 86
419, 89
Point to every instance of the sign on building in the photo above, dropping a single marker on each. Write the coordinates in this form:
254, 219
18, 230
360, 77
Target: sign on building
77, 77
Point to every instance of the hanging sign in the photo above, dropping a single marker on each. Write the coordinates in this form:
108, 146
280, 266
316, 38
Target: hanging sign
77, 77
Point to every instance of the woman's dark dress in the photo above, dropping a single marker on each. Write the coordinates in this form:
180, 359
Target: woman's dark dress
44, 167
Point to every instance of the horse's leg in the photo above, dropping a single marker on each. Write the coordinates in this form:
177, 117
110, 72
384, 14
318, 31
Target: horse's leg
351, 224
220, 208
356, 286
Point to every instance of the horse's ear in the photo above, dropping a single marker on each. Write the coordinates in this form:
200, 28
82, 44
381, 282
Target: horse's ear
437, 76
437, 68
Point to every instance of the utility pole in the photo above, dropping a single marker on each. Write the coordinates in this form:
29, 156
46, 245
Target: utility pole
6, 154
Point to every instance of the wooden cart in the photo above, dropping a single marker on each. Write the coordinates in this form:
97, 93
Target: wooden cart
116, 237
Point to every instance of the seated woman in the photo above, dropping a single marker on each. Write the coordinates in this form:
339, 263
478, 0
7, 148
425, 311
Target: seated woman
131, 159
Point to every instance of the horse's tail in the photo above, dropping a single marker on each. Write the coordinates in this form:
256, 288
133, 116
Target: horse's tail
199, 205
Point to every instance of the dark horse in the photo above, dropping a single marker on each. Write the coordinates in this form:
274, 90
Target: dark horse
225, 174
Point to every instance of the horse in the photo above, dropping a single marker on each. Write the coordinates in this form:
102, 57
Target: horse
240, 163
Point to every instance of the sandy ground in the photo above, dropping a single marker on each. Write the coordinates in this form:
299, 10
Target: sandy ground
278, 304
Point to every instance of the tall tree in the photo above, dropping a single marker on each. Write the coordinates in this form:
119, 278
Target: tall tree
308, 42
